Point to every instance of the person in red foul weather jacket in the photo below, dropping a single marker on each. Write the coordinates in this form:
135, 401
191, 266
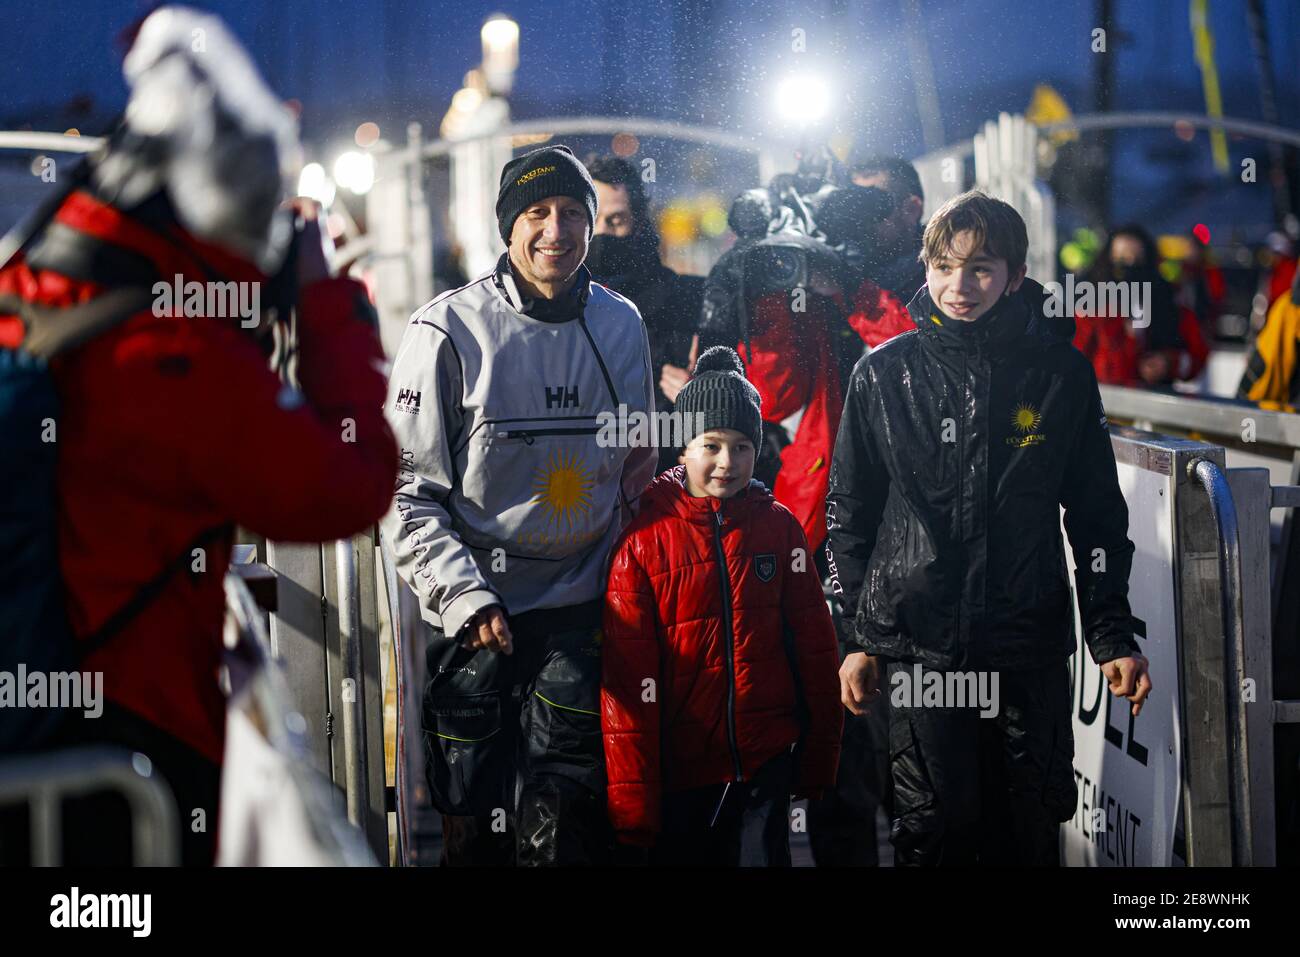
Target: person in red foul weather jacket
174, 428
720, 695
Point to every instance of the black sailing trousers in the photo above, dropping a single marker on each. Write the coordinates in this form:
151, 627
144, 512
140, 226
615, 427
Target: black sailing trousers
513, 749
983, 791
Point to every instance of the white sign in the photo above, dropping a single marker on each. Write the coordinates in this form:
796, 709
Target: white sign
1126, 768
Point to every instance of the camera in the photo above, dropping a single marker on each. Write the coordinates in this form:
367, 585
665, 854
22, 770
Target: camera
803, 224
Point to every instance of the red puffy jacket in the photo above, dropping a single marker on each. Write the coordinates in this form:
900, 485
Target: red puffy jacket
703, 677
170, 426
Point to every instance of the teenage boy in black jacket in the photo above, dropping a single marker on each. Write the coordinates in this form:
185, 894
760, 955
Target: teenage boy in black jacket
959, 442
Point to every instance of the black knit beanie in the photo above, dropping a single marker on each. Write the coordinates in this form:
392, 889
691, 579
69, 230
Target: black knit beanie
550, 171
720, 397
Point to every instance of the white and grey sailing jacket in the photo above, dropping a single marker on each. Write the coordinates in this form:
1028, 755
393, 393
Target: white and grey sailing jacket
503, 494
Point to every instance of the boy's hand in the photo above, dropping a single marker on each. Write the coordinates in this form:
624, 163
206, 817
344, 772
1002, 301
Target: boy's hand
1128, 679
488, 629
859, 681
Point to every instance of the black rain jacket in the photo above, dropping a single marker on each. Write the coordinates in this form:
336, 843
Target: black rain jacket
958, 444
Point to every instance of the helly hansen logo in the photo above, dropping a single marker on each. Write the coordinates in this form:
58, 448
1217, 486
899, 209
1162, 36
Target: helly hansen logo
408, 400
561, 397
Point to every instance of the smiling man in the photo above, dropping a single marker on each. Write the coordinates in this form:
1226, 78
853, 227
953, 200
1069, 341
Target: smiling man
506, 510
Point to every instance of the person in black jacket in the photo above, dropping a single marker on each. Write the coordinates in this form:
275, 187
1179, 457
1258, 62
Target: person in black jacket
960, 441
624, 255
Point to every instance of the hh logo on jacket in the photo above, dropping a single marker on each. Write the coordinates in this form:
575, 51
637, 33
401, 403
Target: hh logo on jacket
408, 400
1026, 420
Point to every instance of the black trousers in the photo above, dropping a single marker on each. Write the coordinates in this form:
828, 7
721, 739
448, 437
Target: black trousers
842, 825
750, 822
513, 749
984, 791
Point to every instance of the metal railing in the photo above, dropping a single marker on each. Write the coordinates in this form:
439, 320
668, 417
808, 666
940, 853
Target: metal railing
44, 781
1224, 513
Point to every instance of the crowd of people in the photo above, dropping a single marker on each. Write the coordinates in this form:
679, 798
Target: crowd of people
640, 652
633, 659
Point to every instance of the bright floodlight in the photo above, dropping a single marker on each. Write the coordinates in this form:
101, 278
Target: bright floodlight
355, 171
500, 37
802, 99
314, 184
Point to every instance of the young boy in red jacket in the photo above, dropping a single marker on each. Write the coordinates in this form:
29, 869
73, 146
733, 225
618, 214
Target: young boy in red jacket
720, 694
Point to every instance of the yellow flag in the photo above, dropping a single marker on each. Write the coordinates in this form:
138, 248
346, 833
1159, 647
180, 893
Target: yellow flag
1048, 107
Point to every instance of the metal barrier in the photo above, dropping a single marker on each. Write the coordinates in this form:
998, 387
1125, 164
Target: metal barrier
417, 824
1234, 652
44, 781
324, 633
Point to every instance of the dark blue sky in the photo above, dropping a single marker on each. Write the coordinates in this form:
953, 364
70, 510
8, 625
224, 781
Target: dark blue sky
710, 62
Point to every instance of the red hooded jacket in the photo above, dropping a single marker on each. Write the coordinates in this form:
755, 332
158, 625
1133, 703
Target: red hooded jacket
791, 362
703, 677
170, 426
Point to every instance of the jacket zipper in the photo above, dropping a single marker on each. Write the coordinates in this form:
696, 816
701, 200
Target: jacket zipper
528, 434
961, 506
725, 578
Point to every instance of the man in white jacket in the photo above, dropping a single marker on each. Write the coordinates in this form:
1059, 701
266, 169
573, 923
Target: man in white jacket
506, 510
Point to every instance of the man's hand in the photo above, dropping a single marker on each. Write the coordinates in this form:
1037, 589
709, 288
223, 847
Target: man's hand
672, 378
859, 681
1154, 369
488, 629
1128, 679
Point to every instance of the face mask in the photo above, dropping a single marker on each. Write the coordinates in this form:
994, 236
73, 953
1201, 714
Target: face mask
618, 259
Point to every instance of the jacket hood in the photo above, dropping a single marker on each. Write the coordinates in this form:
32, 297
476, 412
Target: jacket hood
668, 495
1025, 313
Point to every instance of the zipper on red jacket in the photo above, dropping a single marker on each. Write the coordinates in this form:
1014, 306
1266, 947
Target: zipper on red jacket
727, 624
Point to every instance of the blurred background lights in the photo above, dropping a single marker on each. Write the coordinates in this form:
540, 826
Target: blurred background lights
314, 184
367, 135
355, 171
802, 99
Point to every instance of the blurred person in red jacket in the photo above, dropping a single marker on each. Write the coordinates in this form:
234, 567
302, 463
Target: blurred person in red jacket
719, 694
1151, 351
174, 427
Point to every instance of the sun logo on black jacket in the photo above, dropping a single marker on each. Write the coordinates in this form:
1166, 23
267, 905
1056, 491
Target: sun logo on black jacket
1025, 418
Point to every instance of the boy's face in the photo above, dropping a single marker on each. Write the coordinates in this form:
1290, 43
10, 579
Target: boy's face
719, 462
966, 282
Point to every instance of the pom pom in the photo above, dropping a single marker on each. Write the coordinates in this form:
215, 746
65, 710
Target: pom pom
719, 359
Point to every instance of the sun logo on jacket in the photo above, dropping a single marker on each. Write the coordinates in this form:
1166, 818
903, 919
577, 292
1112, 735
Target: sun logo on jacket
1026, 419
563, 487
